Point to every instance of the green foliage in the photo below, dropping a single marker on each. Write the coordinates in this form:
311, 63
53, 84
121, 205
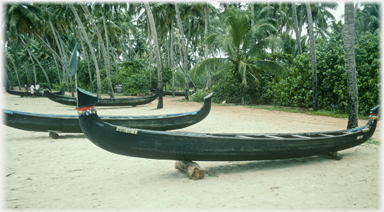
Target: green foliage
367, 66
133, 76
199, 95
227, 88
296, 90
166, 76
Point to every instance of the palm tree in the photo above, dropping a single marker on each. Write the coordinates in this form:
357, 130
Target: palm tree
296, 27
103, 50
313, 57
180, 25
91, 49
14, 67
244, 47
157, 53
350, 64
368, 18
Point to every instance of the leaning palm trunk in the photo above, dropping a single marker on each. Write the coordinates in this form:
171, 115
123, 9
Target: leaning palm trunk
296, 27
157, 53
14, 67
33, 57
184, 51
90, 49
173, 71
57, 69
89, 67
313, 57
206, 34
350, 65
150, 57
103, 50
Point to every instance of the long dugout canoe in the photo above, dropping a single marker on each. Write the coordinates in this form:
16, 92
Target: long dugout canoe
70, 123
127, 101
214, 147
28, 94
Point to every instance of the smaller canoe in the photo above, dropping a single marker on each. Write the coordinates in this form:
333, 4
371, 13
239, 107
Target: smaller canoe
126, 101
40, 94
70, 123
177, 93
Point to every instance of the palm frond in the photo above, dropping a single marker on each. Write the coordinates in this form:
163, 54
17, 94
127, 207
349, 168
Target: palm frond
272, 67
204, 65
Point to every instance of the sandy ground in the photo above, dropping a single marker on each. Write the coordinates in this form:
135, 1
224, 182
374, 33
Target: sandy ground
72, 173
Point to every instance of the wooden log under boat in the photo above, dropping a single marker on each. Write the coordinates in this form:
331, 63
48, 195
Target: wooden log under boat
213, 147
127, 101
70, 123
28, 94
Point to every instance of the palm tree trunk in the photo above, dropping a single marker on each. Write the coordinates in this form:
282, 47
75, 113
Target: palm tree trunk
26, 73
57, 69
157, 53
33, 57
14, 67
350, 65
206, 35
313, 57
107, 50
90, 48
301, 18
103, 50
65, 67
10, 82
185, 51
150, 57
173, 71
86, 58
296, 27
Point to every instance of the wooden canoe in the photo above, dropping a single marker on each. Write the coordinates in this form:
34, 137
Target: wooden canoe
213, 147
70, 123
177, 93
127, 101
40, 94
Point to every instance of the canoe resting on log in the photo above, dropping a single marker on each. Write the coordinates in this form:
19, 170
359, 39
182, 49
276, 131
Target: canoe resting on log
214, 146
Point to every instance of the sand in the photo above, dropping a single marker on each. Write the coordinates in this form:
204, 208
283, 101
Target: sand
71, 173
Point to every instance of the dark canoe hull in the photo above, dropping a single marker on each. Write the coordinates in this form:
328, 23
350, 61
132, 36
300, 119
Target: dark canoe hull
128, 101
215, 147
177, 93
40, 94
70, 123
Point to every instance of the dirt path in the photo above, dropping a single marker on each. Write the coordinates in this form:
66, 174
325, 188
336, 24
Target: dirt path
72, 173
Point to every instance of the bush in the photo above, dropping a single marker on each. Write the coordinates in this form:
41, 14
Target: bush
198, 96
296, 90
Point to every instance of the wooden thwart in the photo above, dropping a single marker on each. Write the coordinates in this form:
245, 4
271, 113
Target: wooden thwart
192, 169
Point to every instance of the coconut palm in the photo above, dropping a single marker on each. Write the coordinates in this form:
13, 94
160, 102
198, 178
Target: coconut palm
244, 46
350, 65
103, 49
180, 26
313, 57
157, 53
368, 18
81, 26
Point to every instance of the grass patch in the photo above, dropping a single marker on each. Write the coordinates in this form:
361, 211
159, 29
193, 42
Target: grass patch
373, 141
